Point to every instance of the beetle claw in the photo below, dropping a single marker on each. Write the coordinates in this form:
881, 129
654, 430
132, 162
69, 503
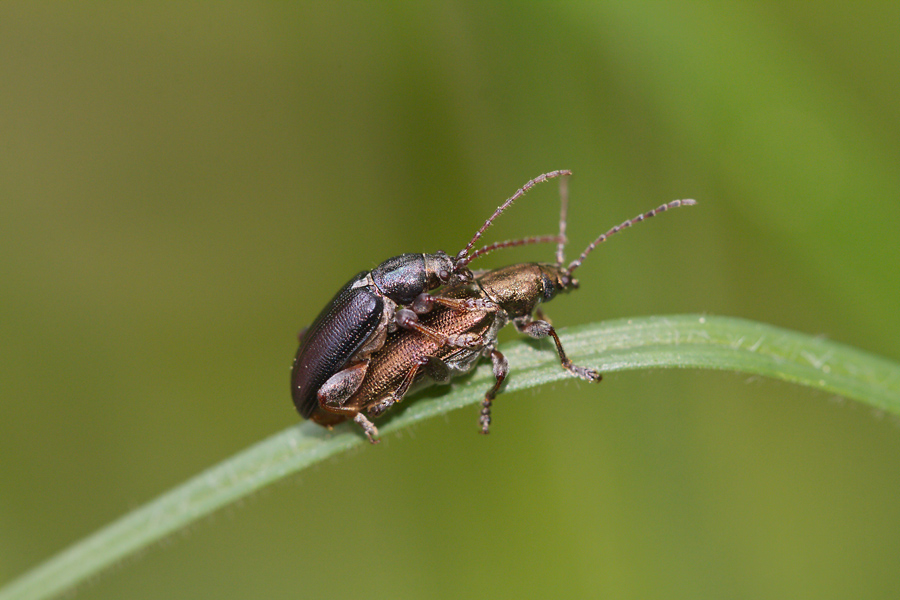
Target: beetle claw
585, 373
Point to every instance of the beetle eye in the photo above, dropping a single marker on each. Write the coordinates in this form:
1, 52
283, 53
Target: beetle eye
444, 275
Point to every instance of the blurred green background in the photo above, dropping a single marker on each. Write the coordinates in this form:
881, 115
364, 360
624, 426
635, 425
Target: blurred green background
183, 187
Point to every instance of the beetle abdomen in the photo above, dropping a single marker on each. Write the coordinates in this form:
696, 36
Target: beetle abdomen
336, 335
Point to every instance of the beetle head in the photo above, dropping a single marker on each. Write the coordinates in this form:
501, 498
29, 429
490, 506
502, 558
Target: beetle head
439, 269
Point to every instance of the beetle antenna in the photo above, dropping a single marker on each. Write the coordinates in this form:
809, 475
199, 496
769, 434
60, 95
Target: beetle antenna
673, 204
563, 211
537, 239
461, 258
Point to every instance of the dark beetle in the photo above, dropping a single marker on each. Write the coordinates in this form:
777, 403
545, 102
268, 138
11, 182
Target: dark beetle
336, 349
354, 324
458, 336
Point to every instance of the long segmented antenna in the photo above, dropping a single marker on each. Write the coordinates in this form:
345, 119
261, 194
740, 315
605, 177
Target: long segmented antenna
563, 211
536, 239
673, 204
463, 258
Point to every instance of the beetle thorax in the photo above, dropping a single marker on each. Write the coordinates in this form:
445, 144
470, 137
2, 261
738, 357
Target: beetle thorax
518, 289
404, 277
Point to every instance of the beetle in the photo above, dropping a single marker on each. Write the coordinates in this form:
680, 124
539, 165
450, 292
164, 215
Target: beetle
458, 336
335, 350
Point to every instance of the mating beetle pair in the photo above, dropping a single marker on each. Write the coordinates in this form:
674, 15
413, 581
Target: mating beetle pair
384, 333
334, 352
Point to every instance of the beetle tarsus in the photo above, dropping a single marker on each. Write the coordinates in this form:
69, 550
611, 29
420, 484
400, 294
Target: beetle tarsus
540, 329
368, 427
485, 418
500, 368
585, 373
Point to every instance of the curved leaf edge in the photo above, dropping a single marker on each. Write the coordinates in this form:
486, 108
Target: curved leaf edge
681, 341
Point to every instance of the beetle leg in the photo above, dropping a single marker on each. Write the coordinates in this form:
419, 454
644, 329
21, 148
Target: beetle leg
397, 395
368, 427
424, 302
541, 329
501, 370
340, 387
401, 390
409, 320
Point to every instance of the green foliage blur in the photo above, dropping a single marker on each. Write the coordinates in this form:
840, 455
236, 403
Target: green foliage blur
184, 186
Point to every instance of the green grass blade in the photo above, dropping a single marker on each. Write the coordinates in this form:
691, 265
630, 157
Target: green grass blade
688, 341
